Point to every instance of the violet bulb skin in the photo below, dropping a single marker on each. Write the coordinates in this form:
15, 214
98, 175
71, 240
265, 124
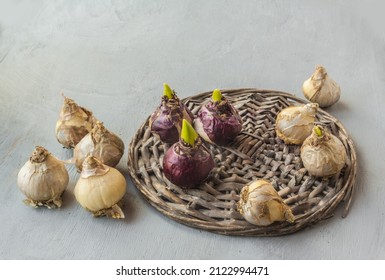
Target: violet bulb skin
187, 163
218, 121
166, 122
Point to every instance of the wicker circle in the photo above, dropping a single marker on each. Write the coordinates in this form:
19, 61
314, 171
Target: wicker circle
256, 153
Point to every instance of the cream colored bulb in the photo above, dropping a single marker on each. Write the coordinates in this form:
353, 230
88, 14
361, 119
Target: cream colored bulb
43, 179
261, 205
322, 153
294, 124
100, 188
101, 143
73, 124
321, 89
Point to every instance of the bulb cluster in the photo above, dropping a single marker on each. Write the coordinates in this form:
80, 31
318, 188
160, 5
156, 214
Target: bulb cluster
187, 163
100, 188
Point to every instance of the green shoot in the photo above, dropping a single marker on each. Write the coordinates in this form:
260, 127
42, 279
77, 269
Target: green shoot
167, 91
217, 95
318, 131
188, 133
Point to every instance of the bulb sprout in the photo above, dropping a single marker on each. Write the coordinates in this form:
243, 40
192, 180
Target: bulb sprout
188, 133
217, 95
318, 131
167, 91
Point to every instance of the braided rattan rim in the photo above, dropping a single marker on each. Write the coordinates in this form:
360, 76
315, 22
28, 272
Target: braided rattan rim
256, 153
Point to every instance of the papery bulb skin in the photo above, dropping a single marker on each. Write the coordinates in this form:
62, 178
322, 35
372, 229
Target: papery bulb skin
218, 121
322, 153
261, 205
73, 124
321, 89
166, 122
43, 179
100, 188
102, 143
294, 124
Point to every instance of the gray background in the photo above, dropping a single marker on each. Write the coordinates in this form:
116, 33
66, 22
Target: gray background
113, 57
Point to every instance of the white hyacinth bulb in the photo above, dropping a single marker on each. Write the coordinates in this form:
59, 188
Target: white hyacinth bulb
261, 205
43, 179
322, 153
294, 124
100, 188
321, 89
101, 143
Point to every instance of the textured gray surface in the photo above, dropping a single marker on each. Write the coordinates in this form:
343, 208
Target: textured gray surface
113, 56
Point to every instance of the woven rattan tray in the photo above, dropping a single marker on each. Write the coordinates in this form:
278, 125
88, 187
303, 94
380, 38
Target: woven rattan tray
256, 153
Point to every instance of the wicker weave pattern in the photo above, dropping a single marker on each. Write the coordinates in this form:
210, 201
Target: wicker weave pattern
256, 153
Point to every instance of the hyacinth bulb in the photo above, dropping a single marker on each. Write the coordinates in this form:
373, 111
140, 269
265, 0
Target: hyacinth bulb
261, 205
102, 143
100, 188
166, 122
43, 179
73, 124
322, 153
321, 89
187, 163
294, 124
218, 121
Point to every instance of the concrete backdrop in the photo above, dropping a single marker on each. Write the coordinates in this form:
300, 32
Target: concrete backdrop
113, 57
